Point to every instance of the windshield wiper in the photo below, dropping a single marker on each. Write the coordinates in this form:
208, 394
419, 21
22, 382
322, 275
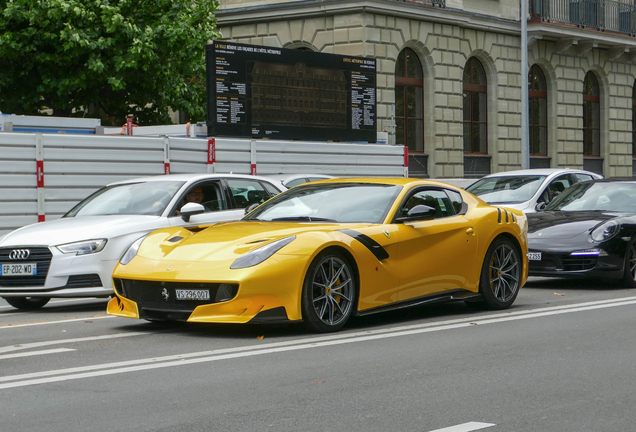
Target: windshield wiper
303, 218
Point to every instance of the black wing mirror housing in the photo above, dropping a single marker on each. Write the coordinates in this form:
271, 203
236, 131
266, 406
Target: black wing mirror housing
191, 209
419, 212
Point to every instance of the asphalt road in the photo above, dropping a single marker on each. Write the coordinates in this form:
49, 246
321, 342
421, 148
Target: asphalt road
563, 358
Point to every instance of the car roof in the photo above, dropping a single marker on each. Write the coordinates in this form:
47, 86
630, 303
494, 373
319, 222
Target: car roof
397, 181
189, 177
541, 172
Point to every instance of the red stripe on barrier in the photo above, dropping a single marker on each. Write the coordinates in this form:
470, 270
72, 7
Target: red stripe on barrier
40, 173
40, 218
211, 151
253, 169
166, 168
406, 157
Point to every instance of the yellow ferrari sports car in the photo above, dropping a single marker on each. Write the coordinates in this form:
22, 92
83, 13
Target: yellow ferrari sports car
322, 252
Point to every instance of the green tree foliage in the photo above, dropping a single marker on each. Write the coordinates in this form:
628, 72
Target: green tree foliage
117, 57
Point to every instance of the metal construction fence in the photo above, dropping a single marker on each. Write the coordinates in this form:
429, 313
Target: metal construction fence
43, 175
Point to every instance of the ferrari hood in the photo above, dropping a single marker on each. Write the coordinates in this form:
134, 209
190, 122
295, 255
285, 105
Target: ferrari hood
565, 224
227, 240
67, 230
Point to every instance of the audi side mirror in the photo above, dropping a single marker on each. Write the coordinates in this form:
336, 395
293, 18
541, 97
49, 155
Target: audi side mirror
251, 207
540, 206
191, 209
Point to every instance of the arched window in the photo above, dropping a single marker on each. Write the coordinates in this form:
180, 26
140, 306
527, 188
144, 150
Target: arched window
538, 95
591, 116
475, 108
409, 101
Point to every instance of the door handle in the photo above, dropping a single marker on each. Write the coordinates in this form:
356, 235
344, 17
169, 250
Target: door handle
470, 231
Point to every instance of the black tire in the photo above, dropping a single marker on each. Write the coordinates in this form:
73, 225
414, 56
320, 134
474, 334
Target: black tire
629, 271
500, 275
329, 292
27, 303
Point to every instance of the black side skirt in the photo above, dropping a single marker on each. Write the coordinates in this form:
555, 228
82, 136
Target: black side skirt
453, 295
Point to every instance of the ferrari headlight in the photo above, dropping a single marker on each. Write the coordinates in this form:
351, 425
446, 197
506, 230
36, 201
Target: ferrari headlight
132, 250
605, 231
83, 247
259, 255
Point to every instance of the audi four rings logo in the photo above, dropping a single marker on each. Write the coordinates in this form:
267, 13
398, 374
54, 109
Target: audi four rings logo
19, 254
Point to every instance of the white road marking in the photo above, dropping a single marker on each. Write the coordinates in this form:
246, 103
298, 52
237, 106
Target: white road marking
302, 344
34, 353
466, 427
18, 347
88, 318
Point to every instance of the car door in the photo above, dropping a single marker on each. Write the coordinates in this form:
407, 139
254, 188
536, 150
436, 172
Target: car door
434, 255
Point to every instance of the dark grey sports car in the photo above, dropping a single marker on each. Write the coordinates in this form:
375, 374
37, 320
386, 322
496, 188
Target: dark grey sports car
589, 230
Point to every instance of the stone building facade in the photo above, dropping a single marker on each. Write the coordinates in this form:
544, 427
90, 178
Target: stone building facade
449, 75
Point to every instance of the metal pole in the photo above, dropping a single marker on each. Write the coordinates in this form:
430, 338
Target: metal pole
525, 135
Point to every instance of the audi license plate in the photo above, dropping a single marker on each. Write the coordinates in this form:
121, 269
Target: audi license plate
22, 269
534, 256
192, 294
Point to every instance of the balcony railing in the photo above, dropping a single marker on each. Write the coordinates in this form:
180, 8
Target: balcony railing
434, 3
604, 15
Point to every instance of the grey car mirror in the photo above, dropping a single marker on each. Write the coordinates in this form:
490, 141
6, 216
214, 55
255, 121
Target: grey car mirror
540, 206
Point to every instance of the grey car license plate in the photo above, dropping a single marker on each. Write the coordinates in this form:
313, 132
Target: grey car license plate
534, 256
192, 294
22, 269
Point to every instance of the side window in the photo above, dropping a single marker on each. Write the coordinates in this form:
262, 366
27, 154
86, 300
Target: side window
247, 192
207, 194
296, 182
456, 200
432, 198
270, 188
582, 177
559, 184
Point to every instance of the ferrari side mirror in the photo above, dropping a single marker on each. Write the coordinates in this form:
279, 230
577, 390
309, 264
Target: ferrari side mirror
191, 209
419, 212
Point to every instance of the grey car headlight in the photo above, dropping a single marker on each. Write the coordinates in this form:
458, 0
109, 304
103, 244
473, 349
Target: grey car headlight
259, 255
132, 250
605, 231
83, 247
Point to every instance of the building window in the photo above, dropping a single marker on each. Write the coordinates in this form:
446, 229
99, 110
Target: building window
409, 101
475, 108
634, 121
591, 116
538, 95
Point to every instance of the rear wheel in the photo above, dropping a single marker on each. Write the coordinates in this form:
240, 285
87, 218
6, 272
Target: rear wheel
500, 275
329, 292
27, 303
629, 272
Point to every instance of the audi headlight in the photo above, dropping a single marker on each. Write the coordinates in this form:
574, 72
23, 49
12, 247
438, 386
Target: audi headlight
259, 255
605, 231
132, 250
83, 247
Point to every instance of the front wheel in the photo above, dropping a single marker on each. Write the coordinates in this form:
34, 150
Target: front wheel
500, 275
27, 303
629, 272
329, 292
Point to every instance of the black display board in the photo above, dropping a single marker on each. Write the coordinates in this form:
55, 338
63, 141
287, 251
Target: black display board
263, 92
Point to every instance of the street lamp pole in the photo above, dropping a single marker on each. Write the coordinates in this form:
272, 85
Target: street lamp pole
525, 146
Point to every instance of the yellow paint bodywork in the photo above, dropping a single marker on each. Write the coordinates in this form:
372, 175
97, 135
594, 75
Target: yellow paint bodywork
425, 257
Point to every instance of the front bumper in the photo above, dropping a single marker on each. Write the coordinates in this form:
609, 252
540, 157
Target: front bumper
59, 275
564, 264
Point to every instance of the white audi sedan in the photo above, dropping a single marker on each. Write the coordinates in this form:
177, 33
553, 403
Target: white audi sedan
74, 256
528, 190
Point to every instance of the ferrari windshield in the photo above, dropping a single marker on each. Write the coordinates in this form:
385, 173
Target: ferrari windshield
329, 202
509, 189
144, 198
597, 196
